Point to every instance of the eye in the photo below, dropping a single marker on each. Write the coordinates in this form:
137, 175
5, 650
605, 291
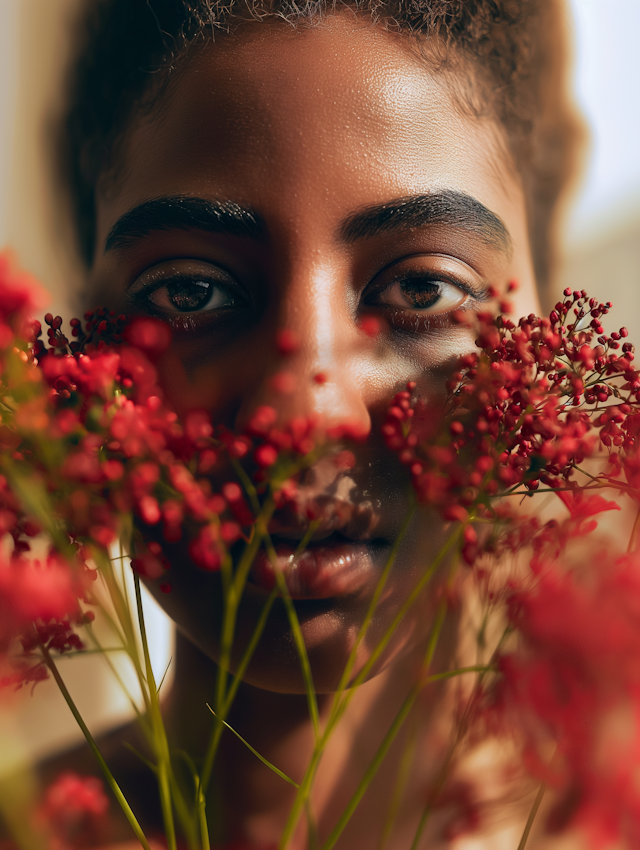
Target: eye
422, 293
189, 296
183, 287
428, 284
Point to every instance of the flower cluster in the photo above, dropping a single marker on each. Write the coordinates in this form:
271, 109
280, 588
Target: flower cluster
91, 453
547, 404
72, 810
570, 692
538, 400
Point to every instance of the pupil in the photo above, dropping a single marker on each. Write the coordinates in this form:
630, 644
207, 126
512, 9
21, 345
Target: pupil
187, 296
423, 293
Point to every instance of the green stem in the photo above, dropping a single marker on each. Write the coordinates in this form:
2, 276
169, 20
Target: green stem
441, 778
634, 533
248, 485
158, 729
170, 792
312, 828
340, 705
101, 651
232, 601
346, 675
584, 472
231, 605
139, 755
395, 727
301, 797
406, 607
233, 592
34, 499
248, 653
125, 621
406, 762
233, 588
214, 741
114, 670
459, 671
532, 816
460, 732
202, 819
556, 490
264, 761
124, 805
298, 638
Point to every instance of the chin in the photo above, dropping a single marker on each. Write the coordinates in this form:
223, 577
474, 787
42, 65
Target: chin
329, 626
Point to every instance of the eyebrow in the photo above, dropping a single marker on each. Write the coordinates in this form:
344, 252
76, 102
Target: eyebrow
451, 208
182, 212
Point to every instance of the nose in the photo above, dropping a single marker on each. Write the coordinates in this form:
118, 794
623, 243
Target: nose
316, 363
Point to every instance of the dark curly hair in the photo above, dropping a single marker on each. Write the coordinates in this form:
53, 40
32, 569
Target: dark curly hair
514, 51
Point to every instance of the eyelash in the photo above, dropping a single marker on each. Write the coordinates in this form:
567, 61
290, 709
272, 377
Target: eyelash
144, 295
141, 296
429, 277
161, 277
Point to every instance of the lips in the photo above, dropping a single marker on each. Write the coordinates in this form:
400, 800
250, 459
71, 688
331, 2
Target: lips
330, 567
355, 516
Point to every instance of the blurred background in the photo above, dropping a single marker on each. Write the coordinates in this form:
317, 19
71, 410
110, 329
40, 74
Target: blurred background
601, 254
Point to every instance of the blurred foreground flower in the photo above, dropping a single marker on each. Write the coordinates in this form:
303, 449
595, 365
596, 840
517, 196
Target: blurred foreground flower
92, 455
73, 809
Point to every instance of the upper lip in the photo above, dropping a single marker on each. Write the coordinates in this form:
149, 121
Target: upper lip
353, 522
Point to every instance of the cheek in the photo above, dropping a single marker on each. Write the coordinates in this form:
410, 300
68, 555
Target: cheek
241, 375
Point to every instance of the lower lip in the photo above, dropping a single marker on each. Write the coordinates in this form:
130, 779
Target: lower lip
322, 571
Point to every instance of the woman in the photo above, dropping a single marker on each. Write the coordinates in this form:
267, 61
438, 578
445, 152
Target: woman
351, 174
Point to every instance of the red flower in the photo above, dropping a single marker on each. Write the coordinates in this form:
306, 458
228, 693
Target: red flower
73, 808
575, 679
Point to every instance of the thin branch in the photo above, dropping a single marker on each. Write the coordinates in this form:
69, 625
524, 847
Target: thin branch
634, 533
271, 766
124, 805
532, 816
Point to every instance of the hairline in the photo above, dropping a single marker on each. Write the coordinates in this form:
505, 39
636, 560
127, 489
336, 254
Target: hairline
157, 95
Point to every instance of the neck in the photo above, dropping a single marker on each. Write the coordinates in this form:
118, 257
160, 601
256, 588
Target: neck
267, 716
254, 800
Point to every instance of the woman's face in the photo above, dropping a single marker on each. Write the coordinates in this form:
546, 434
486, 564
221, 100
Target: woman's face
309, 179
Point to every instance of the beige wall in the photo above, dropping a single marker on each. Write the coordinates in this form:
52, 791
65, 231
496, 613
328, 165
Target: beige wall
34, 44
606, 262
30, 209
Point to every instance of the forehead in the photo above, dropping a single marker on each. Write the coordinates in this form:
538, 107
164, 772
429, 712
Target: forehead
309, 124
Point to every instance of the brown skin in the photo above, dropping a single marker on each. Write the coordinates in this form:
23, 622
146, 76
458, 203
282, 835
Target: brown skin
309, 127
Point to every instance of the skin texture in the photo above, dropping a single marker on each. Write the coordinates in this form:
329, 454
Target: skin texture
309, 127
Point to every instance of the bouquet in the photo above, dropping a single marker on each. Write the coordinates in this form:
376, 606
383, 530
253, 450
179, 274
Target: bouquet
99, 476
